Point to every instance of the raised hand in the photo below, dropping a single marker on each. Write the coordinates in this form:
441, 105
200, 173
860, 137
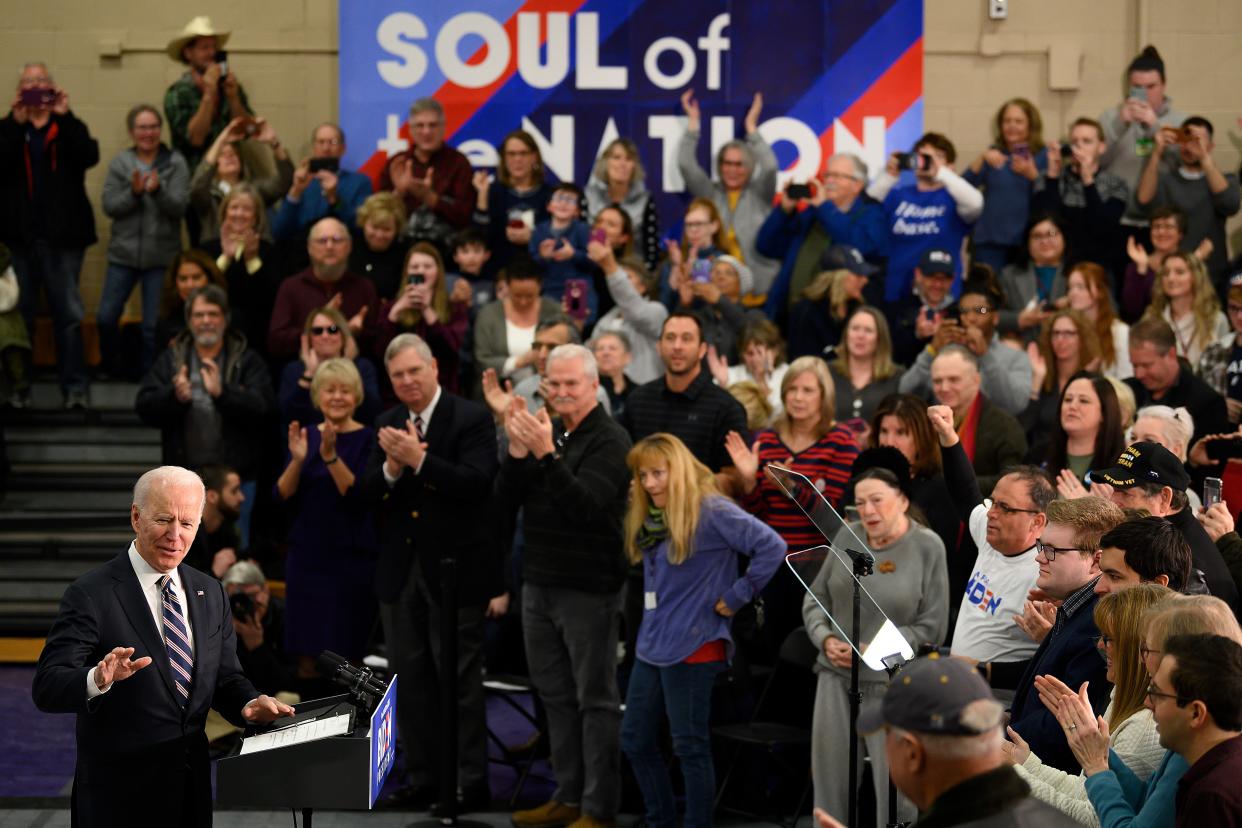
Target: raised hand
117, 666
358, 320
1054, 160
210, 372
1069, 486
718, 366
136, 183
691, 107
751, 123
327, 442
745, 459
481, 180
517, 445
498, 399
1036, 619
1138, 254
297, 442
1016, 749
1216, 520
994, 158
941, 417
181, 384
401, 172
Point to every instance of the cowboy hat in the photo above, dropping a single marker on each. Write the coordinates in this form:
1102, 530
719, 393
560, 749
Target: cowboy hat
198, 27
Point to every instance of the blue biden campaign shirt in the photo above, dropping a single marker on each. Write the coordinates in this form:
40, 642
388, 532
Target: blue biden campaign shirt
920, 220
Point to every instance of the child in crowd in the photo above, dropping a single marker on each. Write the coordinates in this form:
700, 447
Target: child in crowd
470, 254
559, 245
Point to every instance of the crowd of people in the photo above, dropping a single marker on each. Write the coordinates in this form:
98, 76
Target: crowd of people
1014, 381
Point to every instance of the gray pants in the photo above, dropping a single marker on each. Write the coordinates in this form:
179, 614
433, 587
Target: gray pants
571, 647
830, 756
412, 630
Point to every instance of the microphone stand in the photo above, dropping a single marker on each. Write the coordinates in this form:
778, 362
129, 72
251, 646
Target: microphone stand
892, 665
864, 563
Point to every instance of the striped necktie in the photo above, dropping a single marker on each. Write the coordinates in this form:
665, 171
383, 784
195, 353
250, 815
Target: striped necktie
177, 640
418, 427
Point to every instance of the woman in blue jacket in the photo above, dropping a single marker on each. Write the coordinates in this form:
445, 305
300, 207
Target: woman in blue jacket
688, 538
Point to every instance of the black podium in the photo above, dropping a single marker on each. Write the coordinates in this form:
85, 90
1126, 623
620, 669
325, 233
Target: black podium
339, 773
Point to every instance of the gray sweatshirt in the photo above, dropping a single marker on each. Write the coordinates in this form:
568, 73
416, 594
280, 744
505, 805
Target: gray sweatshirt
910, 585
146, 229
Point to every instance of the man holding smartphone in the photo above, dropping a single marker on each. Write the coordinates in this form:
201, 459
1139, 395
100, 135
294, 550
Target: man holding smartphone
202, 102
320, 187
45, 217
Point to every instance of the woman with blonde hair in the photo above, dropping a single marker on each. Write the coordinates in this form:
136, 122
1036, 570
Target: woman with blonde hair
817, 320
689, 539
1183, 296
863, 370
618, 181
224, 167
1119, 617
807, 439
422, 306
1120, 796
325, 336
329, 570
378, 252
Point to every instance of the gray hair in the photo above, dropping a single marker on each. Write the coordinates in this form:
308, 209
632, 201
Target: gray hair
427, 105
46, 70
1179, 425
212, 294
340, 133
138, 109
748, 157
244, 573
620, 336
164, 477
962, 351
860, 166
574, 351
407, 342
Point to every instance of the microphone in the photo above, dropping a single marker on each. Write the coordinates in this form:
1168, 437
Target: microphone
362, 683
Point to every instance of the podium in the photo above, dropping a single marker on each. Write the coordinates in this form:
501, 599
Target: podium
340, 773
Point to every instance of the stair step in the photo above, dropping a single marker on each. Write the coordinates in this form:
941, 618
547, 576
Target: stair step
82, 434
43, 521
59, 571
116, 501
103, 395
148, 454
59, 416
25, 591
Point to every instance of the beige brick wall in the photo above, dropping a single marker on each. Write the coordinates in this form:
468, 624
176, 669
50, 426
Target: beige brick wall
110, 55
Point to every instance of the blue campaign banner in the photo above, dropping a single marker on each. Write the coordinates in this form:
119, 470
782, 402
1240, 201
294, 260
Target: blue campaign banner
383, 739
836, 75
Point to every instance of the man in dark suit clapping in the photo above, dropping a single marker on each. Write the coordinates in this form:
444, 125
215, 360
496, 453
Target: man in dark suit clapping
142, 754
430, 476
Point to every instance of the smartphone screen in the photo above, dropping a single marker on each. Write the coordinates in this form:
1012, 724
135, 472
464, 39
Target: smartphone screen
1211, 491
576, 298
1022, 150
598, 235
701, 271
1138, 93
797, 191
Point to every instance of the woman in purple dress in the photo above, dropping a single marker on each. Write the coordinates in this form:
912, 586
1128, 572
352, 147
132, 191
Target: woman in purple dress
331, 559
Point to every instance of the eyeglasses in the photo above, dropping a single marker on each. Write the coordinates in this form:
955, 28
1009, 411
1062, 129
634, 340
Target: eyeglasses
1047, 235
695, 224
320, 330
978, 310
1145, 651
1050, 552
1006, 509
330, 239
1064, 334
568, 198
1235, 308
1153, 694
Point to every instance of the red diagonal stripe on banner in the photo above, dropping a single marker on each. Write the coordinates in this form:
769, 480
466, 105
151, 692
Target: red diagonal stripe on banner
890, 96
460, 104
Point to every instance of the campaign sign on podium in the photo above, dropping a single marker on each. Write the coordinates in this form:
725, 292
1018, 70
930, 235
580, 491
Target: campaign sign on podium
383, 739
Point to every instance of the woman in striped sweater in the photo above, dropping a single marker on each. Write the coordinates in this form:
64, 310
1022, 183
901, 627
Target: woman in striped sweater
805, 439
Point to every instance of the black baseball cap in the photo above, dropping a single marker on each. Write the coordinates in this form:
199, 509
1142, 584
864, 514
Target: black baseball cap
1141, 463
929, 695
844, 257
936, 260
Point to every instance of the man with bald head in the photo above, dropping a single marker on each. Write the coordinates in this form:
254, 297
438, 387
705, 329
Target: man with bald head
326, 282
142, 648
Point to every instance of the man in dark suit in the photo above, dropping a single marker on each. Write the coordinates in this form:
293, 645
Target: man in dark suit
430, 476
142, 754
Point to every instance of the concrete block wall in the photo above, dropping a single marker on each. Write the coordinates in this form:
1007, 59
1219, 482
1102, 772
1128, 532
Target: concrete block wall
110, 56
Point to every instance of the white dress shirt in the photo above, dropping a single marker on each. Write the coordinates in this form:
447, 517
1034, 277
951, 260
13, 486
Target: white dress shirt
149, 582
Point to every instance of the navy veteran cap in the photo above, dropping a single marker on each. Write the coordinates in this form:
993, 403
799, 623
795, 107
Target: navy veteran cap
844, 257
1143, 463
936, 260
930, 695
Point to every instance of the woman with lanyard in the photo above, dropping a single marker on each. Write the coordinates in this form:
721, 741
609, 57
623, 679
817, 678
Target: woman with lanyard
690, 540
